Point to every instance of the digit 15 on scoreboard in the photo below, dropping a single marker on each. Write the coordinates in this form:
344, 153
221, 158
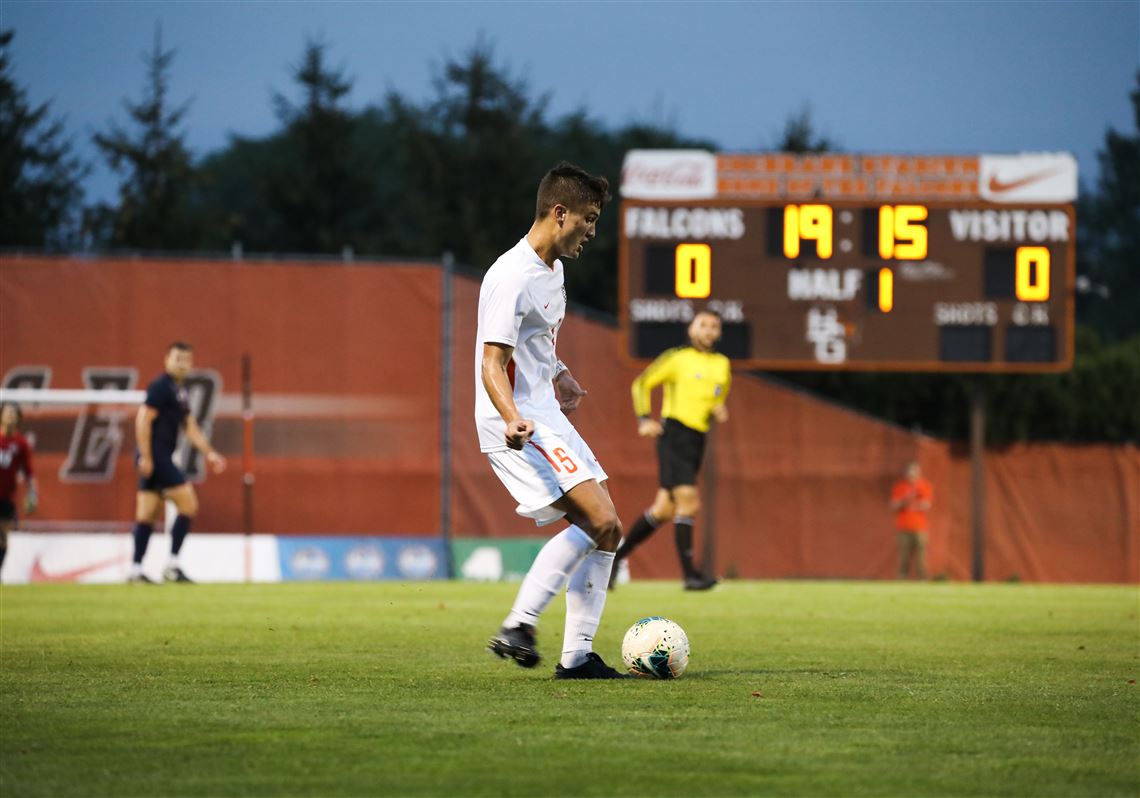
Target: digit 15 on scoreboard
855, 285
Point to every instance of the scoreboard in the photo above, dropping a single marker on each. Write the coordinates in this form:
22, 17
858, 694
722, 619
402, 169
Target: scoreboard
817, 263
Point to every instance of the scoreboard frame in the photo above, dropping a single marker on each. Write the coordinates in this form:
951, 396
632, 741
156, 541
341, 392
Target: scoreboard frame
1065, 281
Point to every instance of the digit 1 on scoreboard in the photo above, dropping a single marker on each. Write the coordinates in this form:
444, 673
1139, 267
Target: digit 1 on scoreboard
886, 290
810, 222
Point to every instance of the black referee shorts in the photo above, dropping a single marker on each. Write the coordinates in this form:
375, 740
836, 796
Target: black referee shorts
679, 453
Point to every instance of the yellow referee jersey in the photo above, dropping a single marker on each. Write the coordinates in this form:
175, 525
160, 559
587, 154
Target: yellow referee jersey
694, 383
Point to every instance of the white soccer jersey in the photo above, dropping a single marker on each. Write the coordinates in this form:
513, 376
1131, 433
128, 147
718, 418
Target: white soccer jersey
521, 303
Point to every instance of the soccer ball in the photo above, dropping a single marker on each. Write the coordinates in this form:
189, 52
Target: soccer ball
655, 648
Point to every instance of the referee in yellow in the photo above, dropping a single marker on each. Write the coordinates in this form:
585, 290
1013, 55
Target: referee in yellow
695, 382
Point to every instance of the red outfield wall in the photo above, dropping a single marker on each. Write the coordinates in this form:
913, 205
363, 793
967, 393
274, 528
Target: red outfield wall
346, 362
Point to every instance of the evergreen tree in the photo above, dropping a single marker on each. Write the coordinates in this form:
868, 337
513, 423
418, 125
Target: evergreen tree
40, 180
153, 210
800, 136
1110, 240
315, 189
476, 152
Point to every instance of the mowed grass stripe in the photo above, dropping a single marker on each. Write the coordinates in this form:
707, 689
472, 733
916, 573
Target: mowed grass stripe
795, 688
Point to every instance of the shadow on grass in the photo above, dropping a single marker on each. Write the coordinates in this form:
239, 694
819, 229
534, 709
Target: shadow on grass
827, 674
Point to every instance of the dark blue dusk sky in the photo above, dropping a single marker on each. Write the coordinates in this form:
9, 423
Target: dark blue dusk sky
907, 77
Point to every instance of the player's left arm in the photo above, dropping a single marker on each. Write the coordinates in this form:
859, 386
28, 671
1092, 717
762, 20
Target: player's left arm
567, 390
924, 498
719, 410
31, 487
198, 440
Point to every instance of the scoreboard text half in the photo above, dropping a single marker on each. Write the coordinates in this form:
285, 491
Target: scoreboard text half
853, 284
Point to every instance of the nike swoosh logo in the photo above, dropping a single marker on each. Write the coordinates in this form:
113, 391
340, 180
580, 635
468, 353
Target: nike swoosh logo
544, 307
997, 186
38, 574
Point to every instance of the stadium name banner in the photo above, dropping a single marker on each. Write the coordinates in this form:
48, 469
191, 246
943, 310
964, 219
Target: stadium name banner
361, 558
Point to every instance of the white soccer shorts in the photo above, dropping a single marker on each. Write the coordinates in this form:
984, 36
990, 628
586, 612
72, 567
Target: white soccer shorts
546, 468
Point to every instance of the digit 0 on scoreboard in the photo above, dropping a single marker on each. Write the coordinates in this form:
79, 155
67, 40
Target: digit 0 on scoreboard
693, 271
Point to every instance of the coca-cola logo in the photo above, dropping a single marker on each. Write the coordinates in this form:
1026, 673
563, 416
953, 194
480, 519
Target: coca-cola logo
673, 173
669, 174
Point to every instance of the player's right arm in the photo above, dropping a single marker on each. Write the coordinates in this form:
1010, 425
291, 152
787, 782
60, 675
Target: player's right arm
642, 389
144, 420
497, 384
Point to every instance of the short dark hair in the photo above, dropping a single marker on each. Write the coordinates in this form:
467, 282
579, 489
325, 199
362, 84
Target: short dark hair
182, 346
710, 312
572, 186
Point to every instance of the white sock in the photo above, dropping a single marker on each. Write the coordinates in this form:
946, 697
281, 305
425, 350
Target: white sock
585, 600
173, 561
136, 569
549, 572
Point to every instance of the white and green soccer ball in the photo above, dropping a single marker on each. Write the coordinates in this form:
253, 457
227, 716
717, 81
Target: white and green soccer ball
655, 648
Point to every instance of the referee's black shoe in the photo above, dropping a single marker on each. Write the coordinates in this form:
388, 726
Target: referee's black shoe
516, 643
592, 668
700, 583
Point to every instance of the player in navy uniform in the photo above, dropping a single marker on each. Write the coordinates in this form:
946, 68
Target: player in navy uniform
15, 461
167, 410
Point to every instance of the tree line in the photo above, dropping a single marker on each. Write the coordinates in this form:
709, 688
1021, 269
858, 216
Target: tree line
456, 173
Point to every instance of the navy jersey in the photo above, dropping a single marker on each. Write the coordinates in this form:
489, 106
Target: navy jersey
173, 405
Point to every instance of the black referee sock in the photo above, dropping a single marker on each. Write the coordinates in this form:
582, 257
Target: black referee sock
683, 535
642, 528
178, 532
141, 534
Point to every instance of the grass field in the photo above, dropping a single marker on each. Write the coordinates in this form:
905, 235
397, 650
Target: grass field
794, 688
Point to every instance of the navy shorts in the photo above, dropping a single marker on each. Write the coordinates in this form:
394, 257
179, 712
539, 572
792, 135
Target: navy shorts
8, 510
680, 450
165, 475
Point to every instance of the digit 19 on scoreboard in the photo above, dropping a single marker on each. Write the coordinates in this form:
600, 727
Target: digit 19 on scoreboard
859, 285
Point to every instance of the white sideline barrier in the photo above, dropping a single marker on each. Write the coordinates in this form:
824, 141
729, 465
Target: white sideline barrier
106, 558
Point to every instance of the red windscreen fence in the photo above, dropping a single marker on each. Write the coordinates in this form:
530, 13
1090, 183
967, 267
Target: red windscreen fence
346, 361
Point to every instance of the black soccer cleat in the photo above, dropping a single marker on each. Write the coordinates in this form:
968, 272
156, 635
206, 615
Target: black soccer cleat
140, 579
176, 575
592, 668
700, 583
517, 644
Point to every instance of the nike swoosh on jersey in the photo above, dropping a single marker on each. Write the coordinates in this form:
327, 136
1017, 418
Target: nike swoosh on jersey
1001, 186
38, 574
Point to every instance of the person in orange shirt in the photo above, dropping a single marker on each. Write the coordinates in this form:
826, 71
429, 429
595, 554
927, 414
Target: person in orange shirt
911, 497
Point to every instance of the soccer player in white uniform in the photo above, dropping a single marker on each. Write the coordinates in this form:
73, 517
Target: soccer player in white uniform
522, 393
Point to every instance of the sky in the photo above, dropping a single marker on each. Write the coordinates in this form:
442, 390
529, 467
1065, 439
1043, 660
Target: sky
877, 77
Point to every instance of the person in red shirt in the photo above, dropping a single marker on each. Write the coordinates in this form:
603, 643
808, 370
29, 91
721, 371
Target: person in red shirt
15, 459
911, 497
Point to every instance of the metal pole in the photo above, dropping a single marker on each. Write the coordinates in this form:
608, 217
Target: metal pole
978, 480
247, 477
708, 496
445, 398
